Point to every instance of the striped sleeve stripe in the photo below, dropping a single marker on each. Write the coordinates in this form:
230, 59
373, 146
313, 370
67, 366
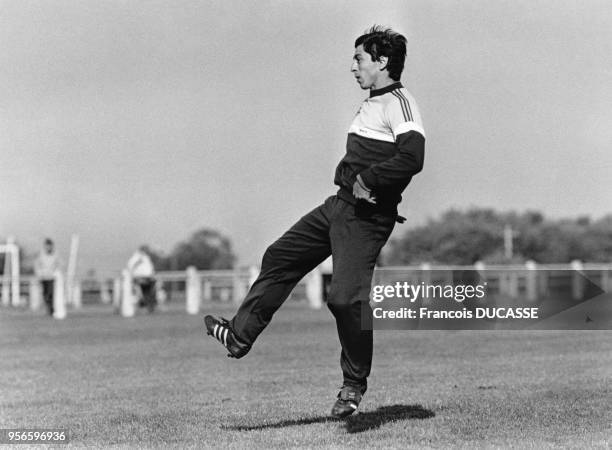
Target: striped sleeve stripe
405, 105
404, 110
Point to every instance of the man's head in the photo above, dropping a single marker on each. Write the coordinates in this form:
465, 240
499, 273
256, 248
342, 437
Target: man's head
48, 245
379, 57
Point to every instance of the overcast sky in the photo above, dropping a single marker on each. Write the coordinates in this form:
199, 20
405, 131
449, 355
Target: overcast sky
132, 122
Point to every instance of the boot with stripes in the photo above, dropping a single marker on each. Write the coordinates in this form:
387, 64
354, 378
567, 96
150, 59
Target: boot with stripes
347, 402
219, 328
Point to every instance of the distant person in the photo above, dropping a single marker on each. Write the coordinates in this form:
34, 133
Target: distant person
142, 271
385, 149
45, 266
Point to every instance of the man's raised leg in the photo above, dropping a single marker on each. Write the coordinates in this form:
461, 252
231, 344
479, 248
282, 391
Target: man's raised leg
303, 247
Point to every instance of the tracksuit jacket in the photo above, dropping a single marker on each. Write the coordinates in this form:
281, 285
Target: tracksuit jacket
385, 147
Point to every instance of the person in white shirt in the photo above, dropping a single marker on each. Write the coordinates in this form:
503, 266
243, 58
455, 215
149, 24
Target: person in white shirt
142, 270
45, 266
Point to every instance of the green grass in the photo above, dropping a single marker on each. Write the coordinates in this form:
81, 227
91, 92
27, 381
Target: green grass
157, 381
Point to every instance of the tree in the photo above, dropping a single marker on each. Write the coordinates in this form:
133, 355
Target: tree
205, 249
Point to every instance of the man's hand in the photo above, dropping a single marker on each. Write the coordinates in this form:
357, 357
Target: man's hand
361, 192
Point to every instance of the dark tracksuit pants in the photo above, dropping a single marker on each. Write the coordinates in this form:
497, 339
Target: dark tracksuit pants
147, 290
354, 236
47, 292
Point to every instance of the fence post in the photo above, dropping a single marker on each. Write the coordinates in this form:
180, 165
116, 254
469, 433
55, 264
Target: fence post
117, 294
160, 295
6, 292
6, 287
71, 271
543, 283
127, 297
480, 268
35, 294
206, 290
513, 284
314, 288
531, 285
105, 297
426, 268
503, 282
15, 269
225, 294
59, 296
77, 295
238, 288
577, 280
193, 291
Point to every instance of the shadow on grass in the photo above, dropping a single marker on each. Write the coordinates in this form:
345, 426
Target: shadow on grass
354, 424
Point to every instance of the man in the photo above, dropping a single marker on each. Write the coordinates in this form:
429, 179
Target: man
45, 266
385, 148
142, 271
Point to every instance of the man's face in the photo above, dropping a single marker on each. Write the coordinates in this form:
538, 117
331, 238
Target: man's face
365, 70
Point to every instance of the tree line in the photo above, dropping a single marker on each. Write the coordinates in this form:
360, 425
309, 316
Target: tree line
477, 234
455, 237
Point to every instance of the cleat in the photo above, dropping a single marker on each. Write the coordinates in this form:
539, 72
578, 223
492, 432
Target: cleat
348, 400
220, 329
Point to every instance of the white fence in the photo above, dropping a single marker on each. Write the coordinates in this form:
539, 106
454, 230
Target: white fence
192, 287
196, 288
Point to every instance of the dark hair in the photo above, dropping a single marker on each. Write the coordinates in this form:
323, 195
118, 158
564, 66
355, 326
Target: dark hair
48, 241
380, 41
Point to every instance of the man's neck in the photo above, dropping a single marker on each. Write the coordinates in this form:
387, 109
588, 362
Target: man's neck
386, 89
382, 83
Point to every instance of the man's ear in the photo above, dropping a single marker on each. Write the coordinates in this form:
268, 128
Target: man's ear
382, 62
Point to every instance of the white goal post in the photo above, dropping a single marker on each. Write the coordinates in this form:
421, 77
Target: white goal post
10, 275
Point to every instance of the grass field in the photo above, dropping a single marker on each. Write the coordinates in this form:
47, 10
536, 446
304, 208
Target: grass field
156, 381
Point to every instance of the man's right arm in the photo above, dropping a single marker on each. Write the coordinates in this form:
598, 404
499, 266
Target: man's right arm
407, 162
